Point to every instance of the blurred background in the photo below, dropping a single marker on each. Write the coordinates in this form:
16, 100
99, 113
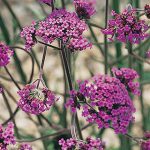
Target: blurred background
15, 14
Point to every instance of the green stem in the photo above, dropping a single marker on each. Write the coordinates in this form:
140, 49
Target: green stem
68, 74
10, 113
105, 38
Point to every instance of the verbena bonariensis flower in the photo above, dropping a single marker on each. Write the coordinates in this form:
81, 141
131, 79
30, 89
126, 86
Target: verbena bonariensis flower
5, 54
126, 27
127, 76
25, 146
147, 11
148, 54
29, 34
63, 25
105, 101
7, 136
35, 100
84, 8
145, 145
79, 44
1, 89
89, 144
60, 24
48, 2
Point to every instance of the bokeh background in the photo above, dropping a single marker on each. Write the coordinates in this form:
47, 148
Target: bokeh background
84, 65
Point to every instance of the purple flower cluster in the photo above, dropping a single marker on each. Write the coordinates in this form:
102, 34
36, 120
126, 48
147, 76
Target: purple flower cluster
147, 11
79, 44
60, 24
25, 146
145, 145
35, 101
7, 136
126, 27
48, 2
127, 77
84, 8
29, 34
105, 101
5, 54
148, 54
1, 89
89, 144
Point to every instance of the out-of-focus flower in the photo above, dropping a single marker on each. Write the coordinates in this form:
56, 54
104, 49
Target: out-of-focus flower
1, 89
145, 145
89, 144
84, 8
147, 11
148, 54
35, 100
7, 136
25, 146
104, 100
127, 77
48, 2
126, 27
29, 34
5, 54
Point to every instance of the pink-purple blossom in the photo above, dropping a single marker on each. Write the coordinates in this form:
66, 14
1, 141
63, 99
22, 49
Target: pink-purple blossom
64, 25
147, 10
60, 24
84, 8
145, 144
79, 44
35, 100
128, 76
126, 27
1, 89
25, 146
48, 2
104, 100
29, 34
5, 54
148, 54
7, 136
88, 144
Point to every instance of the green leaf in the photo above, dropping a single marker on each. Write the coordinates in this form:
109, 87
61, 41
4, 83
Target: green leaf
4, 30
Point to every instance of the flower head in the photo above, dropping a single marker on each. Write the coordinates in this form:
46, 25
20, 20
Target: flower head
105, 101
88, 144
29, 34
79, 44
60, 24
145, 145
1, 89
84, 8
64, 25
127, 77
48, 2
126, 27
35, 100
147, 11
7, 136
25, 146
5, 54
148, 54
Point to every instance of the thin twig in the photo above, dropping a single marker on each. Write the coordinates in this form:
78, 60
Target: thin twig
32, 59
45, 137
